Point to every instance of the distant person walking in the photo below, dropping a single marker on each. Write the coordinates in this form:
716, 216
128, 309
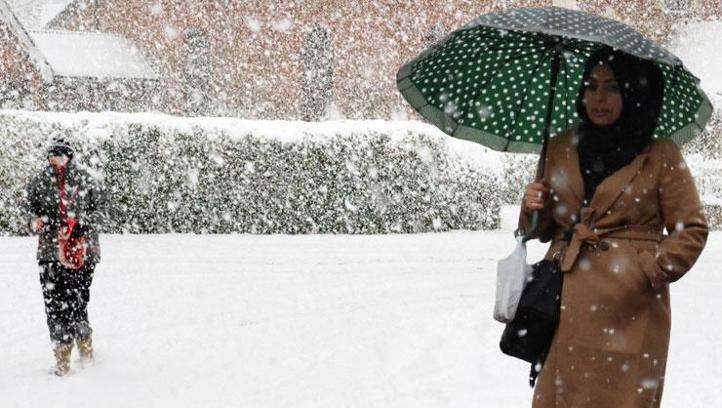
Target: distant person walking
65, 207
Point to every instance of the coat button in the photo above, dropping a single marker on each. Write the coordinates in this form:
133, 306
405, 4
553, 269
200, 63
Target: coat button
604, 245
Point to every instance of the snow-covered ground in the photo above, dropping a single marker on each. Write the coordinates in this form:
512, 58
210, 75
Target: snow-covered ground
308, 321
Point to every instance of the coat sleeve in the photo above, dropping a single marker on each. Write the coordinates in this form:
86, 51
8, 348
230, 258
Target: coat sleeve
31, 205
683, 217
95, 214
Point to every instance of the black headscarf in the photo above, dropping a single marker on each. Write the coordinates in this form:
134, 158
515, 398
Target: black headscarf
605, 149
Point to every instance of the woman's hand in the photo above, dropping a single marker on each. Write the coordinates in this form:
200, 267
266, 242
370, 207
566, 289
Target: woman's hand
535, 195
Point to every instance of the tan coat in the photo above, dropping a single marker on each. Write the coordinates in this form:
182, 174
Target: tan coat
610, 349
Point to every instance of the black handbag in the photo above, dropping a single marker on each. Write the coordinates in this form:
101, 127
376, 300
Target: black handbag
530, 334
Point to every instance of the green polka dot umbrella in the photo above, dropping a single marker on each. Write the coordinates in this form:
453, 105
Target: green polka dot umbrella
509, 79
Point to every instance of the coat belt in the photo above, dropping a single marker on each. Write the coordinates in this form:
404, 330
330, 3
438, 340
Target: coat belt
584, 233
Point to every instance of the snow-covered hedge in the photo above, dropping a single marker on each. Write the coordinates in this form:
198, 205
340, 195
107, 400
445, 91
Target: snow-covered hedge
213, 175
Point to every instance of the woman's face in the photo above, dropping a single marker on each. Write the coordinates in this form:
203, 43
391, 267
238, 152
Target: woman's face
602, 96
60, 161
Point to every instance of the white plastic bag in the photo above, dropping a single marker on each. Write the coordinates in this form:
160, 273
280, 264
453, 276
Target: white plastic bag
512, 274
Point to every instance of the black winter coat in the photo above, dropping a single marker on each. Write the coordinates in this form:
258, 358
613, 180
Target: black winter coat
85, 201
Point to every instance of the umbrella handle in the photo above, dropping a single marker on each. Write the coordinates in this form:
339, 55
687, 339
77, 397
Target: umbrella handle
528, 235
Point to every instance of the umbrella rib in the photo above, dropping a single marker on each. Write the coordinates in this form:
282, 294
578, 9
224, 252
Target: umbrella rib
526, 92
572, 47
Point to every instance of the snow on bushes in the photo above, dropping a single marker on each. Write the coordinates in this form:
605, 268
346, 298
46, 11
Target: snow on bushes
216, 175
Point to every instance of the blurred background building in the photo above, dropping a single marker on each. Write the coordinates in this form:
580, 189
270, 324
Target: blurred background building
255, 59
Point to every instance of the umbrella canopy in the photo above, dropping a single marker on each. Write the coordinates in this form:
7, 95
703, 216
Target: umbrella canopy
509, 79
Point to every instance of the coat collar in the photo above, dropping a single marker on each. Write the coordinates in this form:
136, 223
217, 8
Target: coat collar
610, 188
613, 186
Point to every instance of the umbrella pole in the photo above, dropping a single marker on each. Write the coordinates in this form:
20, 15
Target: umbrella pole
556, 63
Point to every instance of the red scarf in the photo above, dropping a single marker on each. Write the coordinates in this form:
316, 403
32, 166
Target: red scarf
60, 171
71, 250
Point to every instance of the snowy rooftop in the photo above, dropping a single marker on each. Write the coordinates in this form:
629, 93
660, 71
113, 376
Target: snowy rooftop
50, 10
35, 14
95, 55
8, 17
697, 45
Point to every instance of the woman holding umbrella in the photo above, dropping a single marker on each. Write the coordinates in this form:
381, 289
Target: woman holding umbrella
611, 180
612, 188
